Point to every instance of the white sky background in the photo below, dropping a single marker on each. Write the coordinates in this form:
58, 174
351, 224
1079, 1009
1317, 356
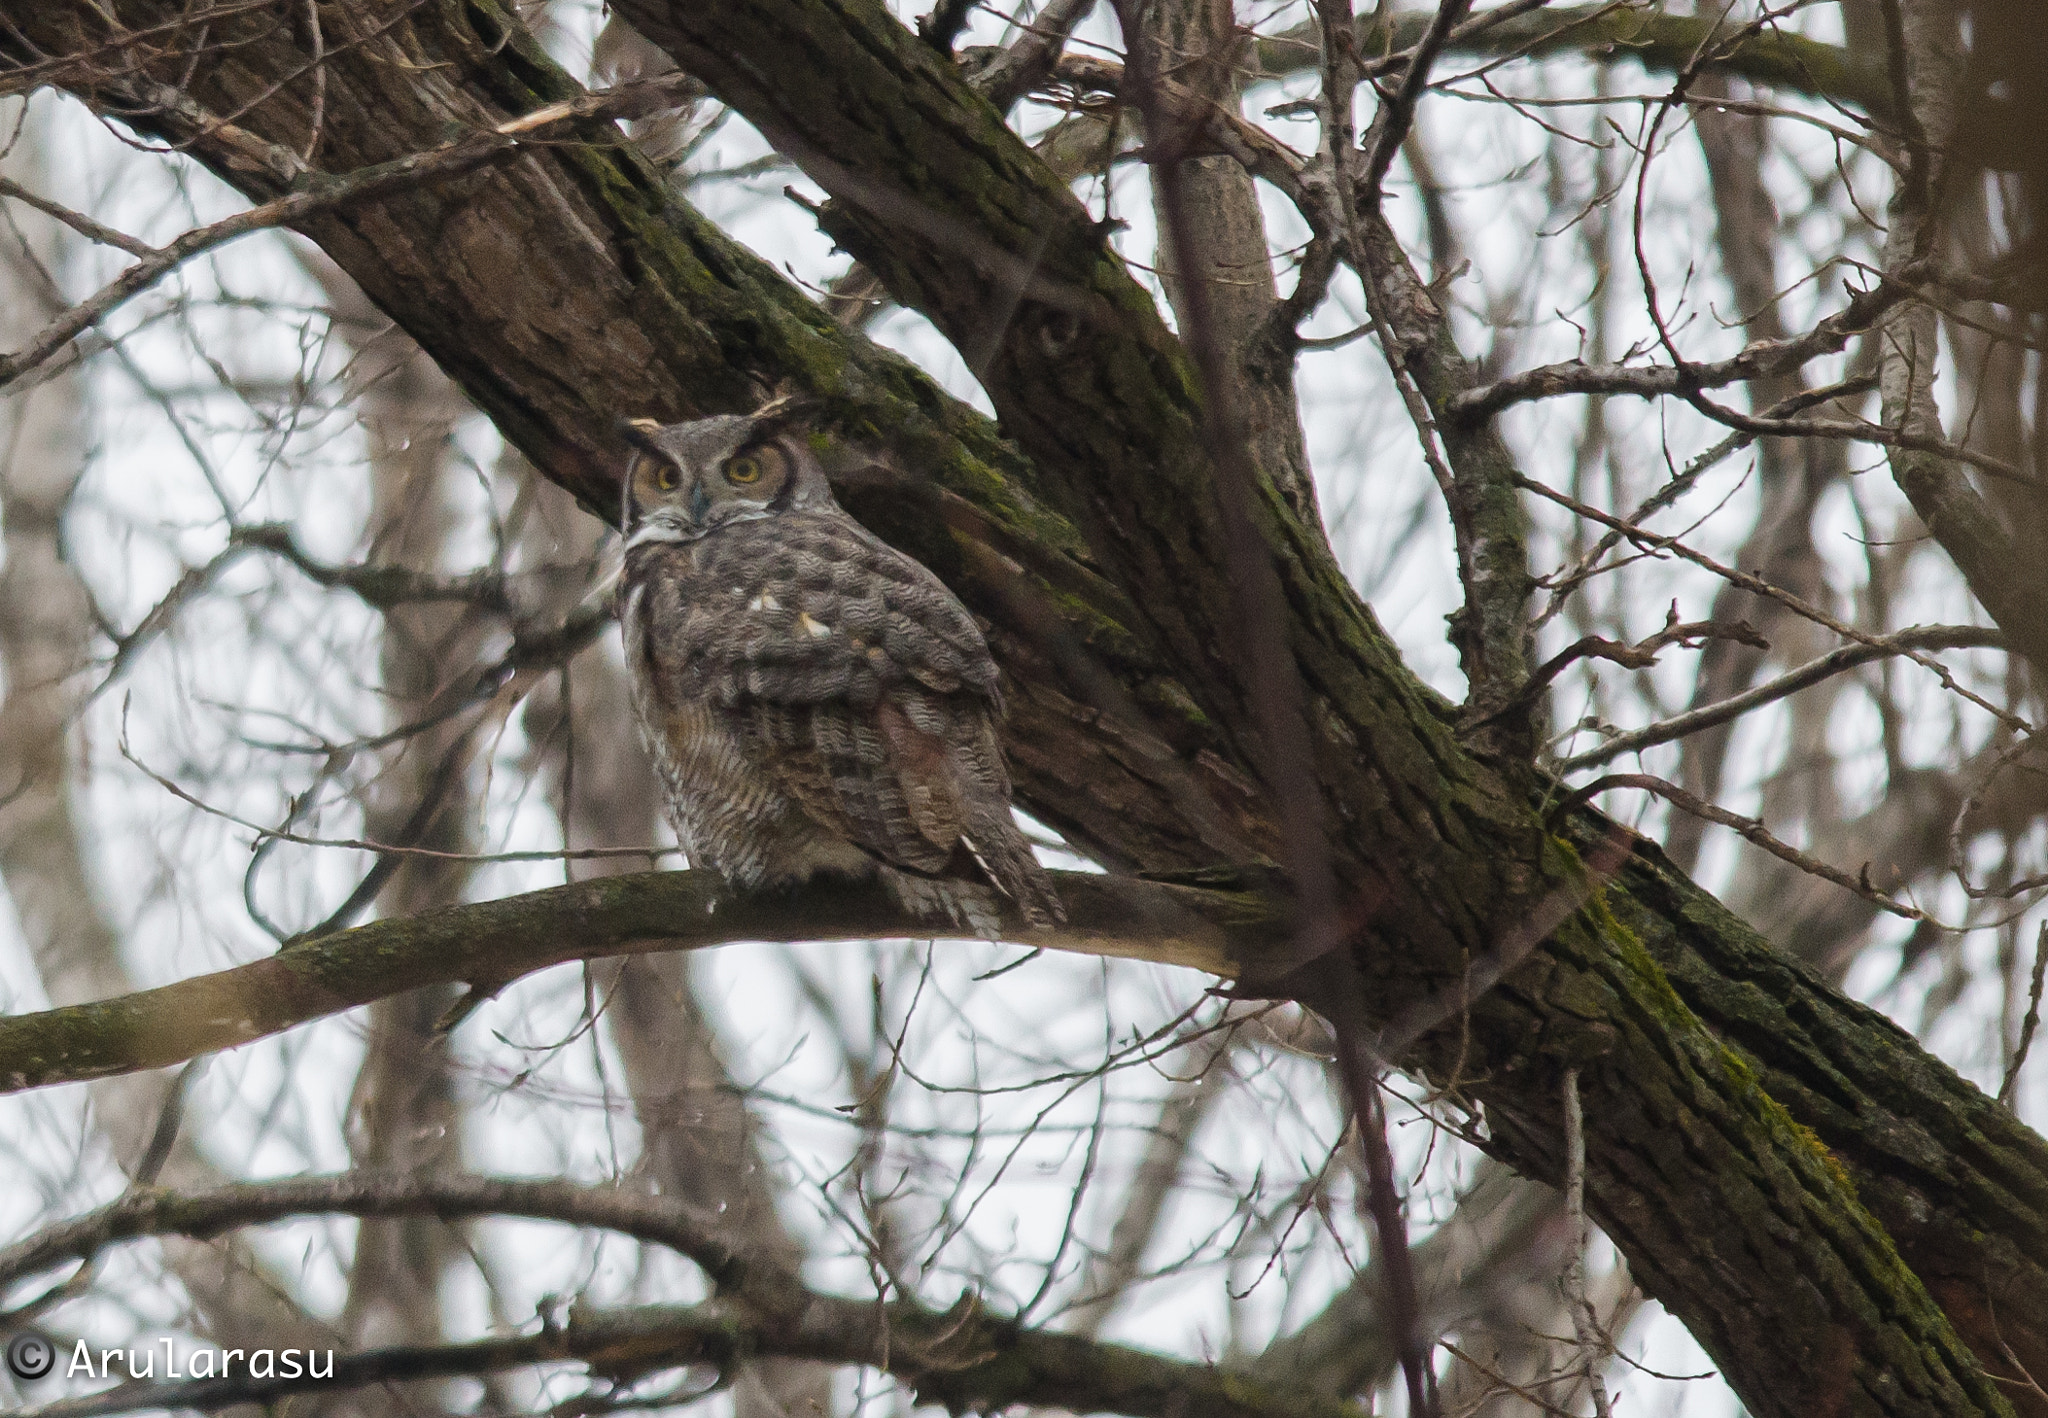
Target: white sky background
269, 657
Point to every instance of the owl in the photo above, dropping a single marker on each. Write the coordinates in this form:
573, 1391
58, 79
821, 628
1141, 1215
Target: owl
817, 702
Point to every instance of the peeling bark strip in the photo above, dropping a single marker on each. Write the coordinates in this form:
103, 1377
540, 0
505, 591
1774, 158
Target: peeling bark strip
1747, 1130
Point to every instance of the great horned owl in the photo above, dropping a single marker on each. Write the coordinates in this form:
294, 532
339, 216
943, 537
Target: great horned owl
816, 700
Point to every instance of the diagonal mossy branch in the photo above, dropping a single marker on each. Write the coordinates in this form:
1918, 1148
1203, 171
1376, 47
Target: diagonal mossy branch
1440, 856
489, 944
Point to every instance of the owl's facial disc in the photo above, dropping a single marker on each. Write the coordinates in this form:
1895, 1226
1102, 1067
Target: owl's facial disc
675, 499
657, 493
757, 475
745, 487
687, 480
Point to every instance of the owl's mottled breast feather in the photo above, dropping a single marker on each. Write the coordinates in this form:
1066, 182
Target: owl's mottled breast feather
803, 609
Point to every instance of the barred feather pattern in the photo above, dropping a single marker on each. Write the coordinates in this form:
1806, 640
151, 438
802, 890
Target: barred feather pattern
819, 702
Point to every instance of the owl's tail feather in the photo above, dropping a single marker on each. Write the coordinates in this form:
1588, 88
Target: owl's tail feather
1011, 872
1005, 858
967, 905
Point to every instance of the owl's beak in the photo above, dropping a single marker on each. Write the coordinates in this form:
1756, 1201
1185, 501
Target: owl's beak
700, 503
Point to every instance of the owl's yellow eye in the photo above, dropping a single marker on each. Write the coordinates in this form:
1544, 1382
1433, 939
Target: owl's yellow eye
666, 477
741, 471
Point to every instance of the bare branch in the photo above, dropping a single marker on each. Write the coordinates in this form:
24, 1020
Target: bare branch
386, 586
1606, 31
78, 221
1756, 585
2031, 1022
490, 944
202, 1215
963, 1358
1006, 75
1848, 657
1639, 656
1760, 359
1750, 830
1397, 112
317, 193
1562, 585
1585, 1324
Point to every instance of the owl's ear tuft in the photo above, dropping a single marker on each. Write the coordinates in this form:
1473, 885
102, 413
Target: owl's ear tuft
639, 432
779, 414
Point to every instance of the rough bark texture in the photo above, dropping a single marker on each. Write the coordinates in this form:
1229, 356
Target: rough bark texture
1750, 1134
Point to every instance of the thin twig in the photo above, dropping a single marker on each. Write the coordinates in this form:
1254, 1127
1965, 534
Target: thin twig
1563, 584
1760, 359
79, 222
359, 844
1397, 112
2032, 1021
1585, 1324
1836, 661
1757, 585
1750, 829
1507, 1385
1638, 656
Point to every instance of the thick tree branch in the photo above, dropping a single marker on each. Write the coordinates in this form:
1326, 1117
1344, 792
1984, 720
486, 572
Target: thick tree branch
313, 194
490, 944
215, 1211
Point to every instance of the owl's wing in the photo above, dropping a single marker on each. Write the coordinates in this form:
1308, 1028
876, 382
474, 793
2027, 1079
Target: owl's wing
864, 685
868, 774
